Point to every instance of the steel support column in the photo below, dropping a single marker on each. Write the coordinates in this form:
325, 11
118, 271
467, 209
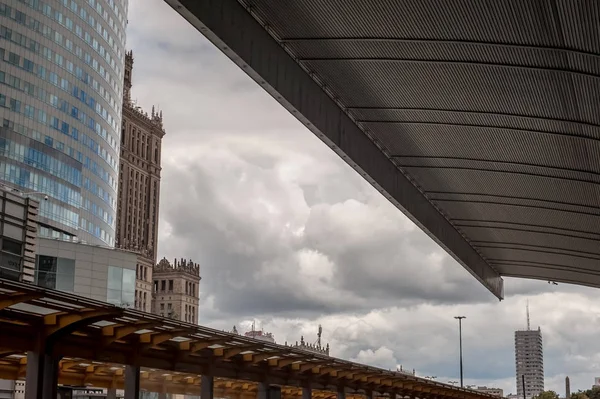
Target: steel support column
34, 375
341, 394
306, 392
263, 391
50, 384
162, 395
266, 391
111, 393
41, 380
132, 382
228, 25
207, 387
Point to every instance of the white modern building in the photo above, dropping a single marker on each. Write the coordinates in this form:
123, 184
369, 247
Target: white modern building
100, 273
529, 361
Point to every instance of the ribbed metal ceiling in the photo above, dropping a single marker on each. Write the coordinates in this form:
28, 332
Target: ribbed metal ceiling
491, 107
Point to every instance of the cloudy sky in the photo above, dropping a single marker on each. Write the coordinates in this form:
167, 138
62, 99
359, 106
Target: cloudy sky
288, 235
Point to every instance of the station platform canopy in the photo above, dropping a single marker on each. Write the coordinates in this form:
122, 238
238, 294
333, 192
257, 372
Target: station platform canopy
94, 340
477, 118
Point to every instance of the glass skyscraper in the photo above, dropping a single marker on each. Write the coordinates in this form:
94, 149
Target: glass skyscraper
61, 93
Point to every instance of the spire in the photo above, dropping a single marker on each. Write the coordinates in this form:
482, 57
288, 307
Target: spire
528, 323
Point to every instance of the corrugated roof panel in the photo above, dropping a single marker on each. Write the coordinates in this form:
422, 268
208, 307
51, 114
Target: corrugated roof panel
488, 144
375, 119
484, 53
506, 184
509, 21
456, 86
533, 238
520, 215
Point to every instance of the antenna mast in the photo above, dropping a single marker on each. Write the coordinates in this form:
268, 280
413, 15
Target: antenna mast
319, 335
528, 324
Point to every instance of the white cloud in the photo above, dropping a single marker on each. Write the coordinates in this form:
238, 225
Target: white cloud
381, 357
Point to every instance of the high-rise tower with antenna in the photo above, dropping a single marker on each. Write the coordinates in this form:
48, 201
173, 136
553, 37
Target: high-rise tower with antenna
528, 323
529, 360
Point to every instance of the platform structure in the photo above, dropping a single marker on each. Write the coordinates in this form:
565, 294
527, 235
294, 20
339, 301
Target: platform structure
72, 339
111, 376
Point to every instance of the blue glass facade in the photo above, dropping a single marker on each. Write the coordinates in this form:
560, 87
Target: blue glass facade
61, 93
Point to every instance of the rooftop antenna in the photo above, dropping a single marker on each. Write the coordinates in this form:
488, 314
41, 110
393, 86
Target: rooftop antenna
528, 324
319, 335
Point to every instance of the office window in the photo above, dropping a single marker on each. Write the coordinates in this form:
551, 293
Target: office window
13, 231
170, 285
55, 273
10, 259
121, 286
14, 247
15, 210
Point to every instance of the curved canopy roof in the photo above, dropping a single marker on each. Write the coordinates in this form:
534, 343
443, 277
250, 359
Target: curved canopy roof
479, 119
77, 328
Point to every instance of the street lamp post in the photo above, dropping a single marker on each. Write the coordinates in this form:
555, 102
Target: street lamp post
460, 318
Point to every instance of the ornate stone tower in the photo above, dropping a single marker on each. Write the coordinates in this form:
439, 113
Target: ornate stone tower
175, 291
139, 187
127, 83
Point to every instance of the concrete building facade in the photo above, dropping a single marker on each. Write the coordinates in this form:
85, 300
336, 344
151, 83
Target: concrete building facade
529, 359
104, 274
139, 187
176, 290
61, 89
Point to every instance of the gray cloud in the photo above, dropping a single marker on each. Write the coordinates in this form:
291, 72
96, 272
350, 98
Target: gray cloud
289, 235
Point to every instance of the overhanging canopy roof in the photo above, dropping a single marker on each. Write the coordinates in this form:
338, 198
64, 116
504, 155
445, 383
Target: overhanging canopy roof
479, 119
75, 327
